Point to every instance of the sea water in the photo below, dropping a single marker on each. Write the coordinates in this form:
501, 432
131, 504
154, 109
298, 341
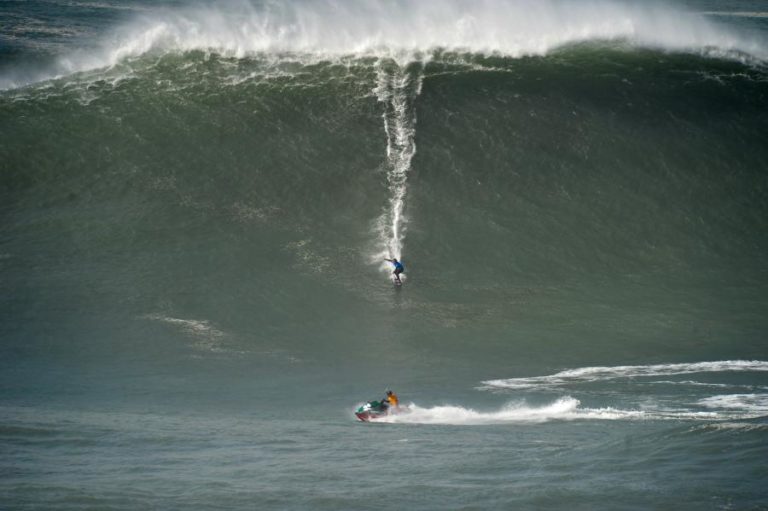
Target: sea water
196, 200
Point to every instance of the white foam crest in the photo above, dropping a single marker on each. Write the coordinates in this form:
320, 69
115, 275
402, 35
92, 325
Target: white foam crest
593, 374
692, 383
401, 27
510, 27
565, 408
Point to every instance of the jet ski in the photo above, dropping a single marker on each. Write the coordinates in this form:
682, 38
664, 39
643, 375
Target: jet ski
371, 411
374, 410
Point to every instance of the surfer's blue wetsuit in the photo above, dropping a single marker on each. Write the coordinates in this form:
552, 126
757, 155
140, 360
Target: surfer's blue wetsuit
399, 268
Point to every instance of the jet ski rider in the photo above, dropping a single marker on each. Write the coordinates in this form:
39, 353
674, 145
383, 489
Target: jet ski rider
390, 401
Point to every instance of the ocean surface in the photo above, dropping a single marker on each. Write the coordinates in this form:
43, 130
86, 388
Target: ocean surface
196, 200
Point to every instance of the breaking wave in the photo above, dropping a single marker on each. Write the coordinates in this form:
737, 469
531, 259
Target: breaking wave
406, 30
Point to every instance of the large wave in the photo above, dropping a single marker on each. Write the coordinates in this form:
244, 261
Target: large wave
405, 30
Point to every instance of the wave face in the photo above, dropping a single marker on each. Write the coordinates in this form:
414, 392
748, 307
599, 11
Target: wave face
599, 192
604, 186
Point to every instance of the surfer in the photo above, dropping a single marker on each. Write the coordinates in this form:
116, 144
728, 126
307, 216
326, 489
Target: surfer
399, 268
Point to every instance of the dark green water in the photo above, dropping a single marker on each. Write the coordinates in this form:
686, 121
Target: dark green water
192, 234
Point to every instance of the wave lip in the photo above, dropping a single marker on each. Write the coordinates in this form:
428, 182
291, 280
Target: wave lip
593, 374
509, 27
408, 30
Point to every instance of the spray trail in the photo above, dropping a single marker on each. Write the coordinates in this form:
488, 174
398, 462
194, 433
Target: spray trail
397, 89
567, 408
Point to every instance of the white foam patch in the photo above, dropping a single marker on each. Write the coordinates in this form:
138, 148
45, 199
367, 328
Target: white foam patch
594, 374
565, 408
307, 258
732, 426
738, 14
691, 383
753, 404
205, 337
401, 29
